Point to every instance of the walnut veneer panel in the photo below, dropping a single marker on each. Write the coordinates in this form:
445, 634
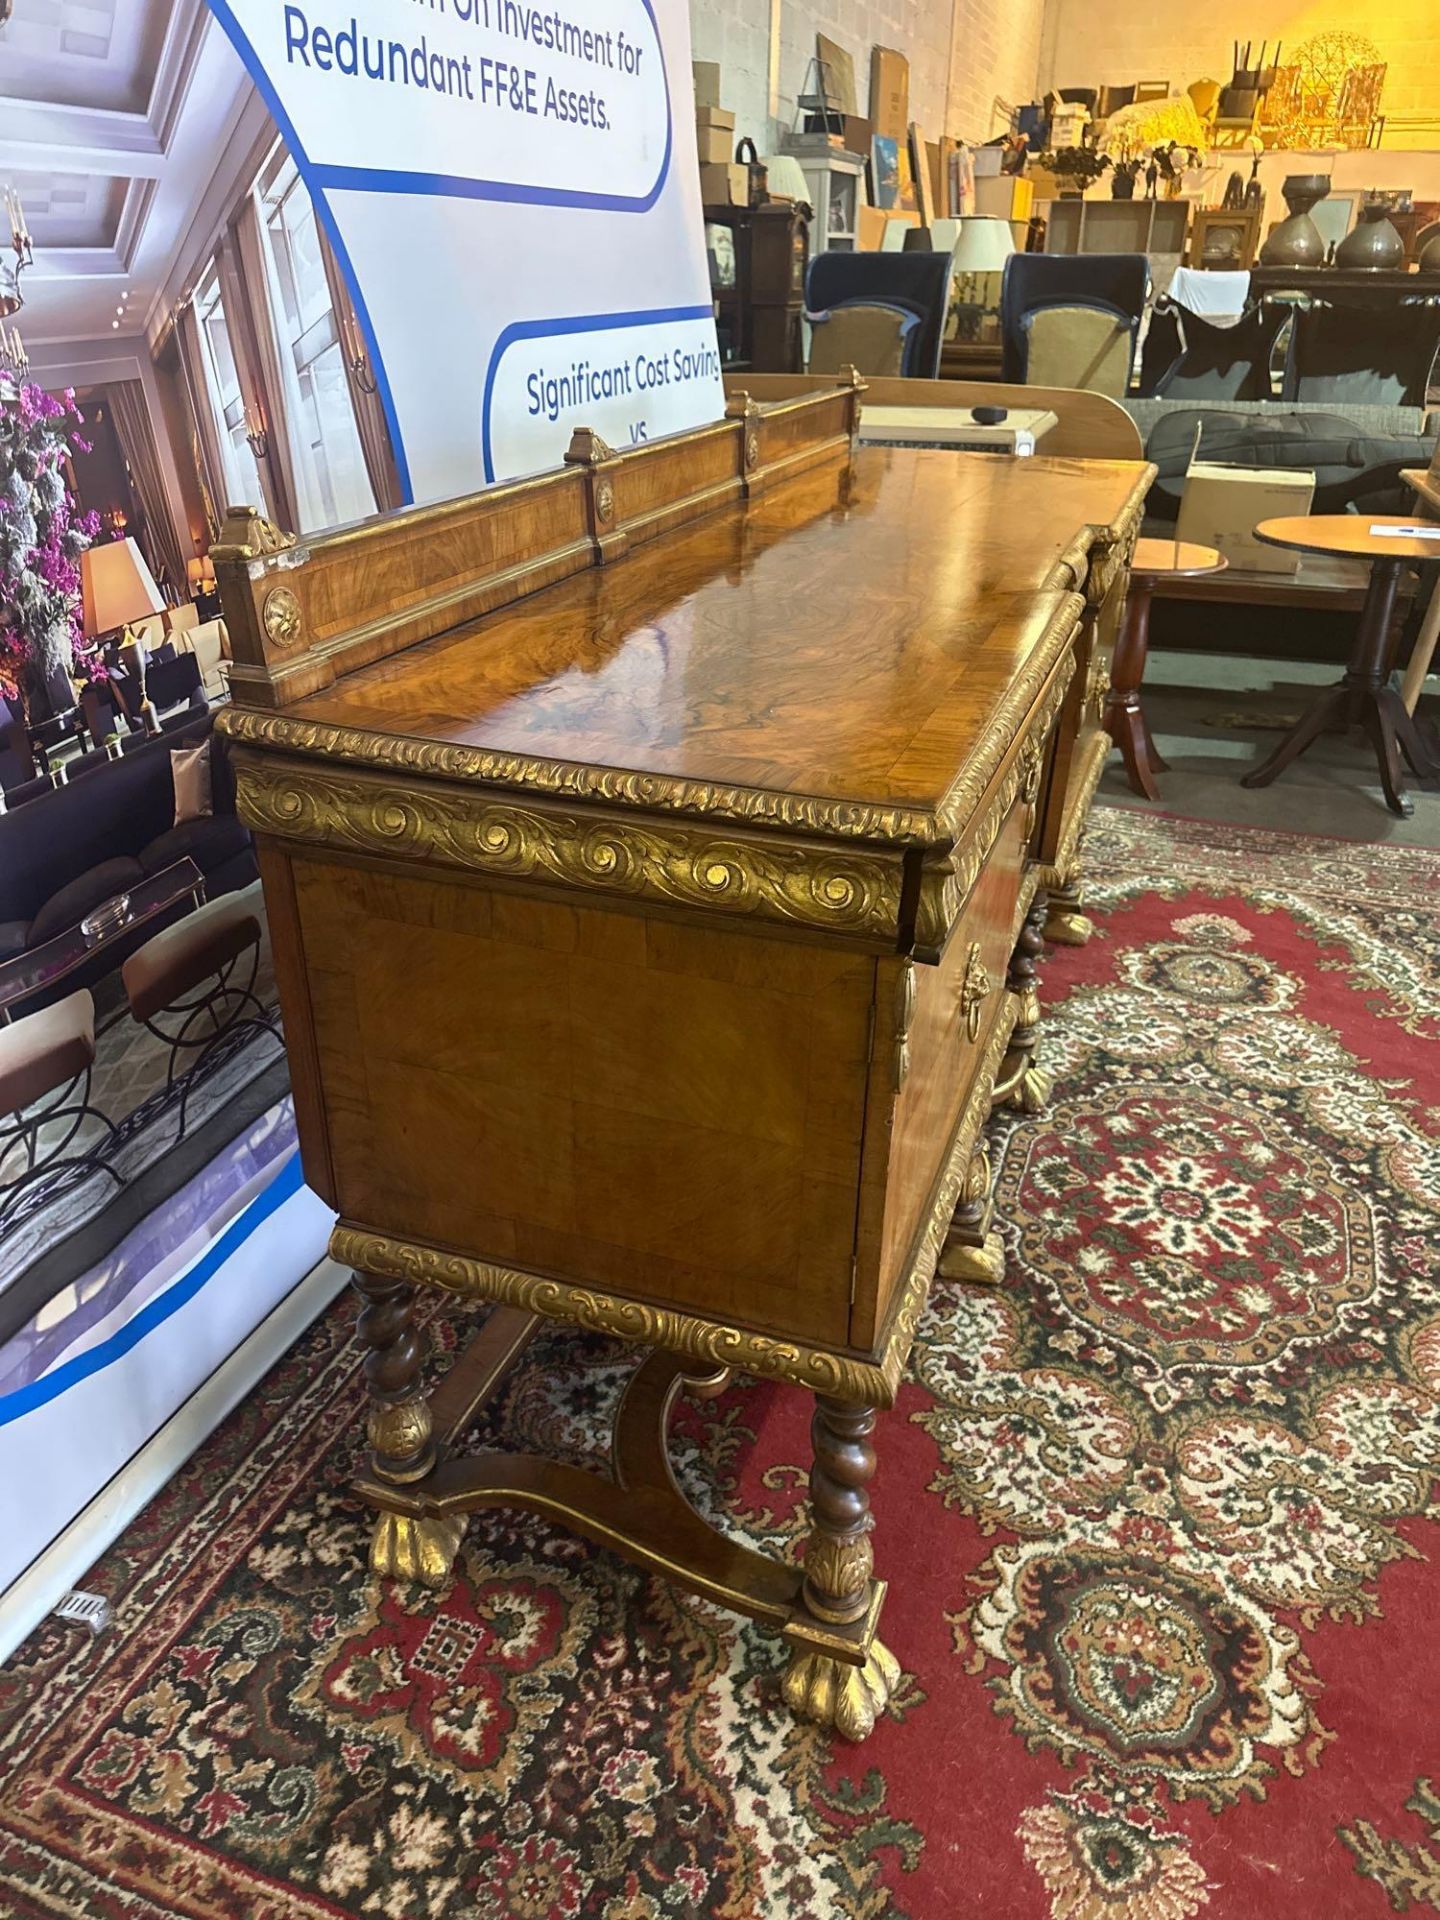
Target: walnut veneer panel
667, 1112
847, 637
1082, 743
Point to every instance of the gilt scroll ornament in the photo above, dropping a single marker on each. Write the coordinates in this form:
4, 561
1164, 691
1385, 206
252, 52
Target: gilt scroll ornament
846, 890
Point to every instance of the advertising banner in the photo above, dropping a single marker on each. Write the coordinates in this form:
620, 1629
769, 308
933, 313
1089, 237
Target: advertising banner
511, 189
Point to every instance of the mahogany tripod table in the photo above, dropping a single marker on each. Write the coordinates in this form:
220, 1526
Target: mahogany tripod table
1364, 696
1124, 717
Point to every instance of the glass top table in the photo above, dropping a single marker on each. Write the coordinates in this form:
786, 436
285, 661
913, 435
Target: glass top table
44, 966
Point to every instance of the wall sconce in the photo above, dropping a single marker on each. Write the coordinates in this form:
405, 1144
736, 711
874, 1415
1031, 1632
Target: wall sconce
11, 298
255, 432
353, 347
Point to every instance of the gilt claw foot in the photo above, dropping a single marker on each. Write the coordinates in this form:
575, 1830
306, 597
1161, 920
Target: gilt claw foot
985, 1264
832, 1692
421, 1550
1065, 928
1031, 1092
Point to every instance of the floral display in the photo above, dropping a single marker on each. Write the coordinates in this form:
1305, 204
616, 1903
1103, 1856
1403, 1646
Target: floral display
42, 536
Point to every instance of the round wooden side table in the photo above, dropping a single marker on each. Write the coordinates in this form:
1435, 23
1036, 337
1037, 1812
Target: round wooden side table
1124, 717
1364, 697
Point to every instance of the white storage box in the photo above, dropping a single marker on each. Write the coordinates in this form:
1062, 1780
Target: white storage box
1222, 506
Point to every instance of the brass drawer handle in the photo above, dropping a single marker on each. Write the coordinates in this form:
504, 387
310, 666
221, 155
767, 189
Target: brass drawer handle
1032, 761
1097, 689
904, 1014
975, 989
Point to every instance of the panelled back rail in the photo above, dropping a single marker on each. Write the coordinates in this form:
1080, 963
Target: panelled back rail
302, 614
657, 855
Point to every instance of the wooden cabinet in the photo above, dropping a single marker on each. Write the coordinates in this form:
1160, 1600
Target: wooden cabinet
758, 314
651, 850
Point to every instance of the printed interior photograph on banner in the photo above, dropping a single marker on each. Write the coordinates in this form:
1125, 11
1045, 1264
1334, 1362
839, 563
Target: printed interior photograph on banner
316, 261
344, 228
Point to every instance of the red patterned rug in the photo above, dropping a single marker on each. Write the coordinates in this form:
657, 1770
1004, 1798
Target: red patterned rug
1157, 1518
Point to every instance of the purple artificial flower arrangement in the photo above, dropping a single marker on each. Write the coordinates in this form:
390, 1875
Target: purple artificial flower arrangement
42, 537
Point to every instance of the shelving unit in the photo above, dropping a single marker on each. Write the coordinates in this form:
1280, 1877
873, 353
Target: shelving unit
1116, 226
836, 180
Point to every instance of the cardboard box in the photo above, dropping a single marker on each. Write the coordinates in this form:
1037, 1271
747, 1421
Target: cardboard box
1044, 184
707, 82
855, 134
714, 145
721, 117
889, 92
727, 186
1222, 506
882, 230
1008, 196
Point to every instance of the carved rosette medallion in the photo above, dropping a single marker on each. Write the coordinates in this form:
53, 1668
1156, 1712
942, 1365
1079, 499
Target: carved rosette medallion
752, 448
281, 617
604, 501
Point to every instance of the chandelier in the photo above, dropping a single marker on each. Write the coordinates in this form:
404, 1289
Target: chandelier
11, 298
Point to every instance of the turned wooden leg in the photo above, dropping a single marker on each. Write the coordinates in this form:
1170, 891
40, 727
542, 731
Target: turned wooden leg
402, 1437
1124, 717
1021, 1083
838, 1589
973, 1250
1066, 923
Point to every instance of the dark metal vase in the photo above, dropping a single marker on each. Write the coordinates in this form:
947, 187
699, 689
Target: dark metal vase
1297, 241
1373, 245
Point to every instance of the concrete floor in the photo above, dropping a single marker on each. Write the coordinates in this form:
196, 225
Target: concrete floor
1207, 710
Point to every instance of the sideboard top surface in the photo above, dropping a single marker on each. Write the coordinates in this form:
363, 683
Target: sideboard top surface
848, 635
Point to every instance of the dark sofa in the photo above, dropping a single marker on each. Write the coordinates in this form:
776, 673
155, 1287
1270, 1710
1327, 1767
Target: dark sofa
64, 852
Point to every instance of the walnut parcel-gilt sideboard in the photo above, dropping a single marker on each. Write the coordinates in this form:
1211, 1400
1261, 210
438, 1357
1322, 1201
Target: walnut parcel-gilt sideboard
656, 855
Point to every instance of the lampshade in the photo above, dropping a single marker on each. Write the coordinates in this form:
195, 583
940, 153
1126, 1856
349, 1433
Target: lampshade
984, 246
116, 586
784, 178
194, 571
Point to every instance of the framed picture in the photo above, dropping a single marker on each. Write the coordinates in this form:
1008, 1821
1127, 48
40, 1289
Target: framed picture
1223, 238
920, 174
1334, 216
838, 73
884, 170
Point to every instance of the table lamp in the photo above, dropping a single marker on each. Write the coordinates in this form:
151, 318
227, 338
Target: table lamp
117, 587
983, 247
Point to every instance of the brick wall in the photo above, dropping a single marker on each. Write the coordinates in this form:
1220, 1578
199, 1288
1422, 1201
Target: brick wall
962, 54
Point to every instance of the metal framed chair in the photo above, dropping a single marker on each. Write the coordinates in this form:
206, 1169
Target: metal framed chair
46, 1062
193, 985
1362, 356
